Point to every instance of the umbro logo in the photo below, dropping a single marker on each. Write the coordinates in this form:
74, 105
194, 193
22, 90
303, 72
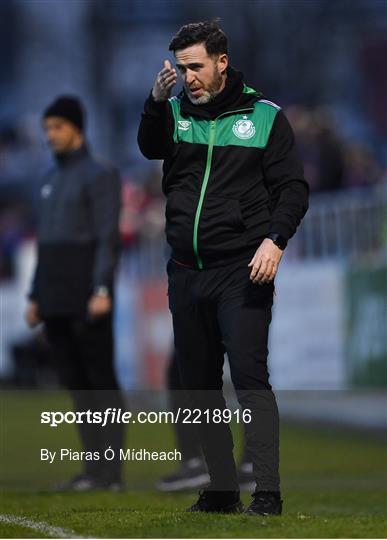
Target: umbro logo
184, 124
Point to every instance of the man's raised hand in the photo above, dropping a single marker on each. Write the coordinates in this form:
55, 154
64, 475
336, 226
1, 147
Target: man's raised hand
165, 80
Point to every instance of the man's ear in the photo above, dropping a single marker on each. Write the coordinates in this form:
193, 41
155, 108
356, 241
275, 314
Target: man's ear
222, 63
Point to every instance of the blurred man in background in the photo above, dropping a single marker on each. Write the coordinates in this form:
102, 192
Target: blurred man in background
72, 289
235, 195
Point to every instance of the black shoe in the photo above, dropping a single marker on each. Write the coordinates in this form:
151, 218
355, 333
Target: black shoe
227, 502
191, 474
265, 503
246, 478
83, 482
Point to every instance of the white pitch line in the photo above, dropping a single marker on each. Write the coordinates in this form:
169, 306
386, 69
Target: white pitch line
40, 526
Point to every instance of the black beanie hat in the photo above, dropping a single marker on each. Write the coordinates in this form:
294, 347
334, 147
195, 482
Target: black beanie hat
67, 107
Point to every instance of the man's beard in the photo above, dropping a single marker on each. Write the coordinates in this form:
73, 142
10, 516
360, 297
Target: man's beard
209, 94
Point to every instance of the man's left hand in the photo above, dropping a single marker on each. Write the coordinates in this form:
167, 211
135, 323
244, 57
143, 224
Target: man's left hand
99, 305
264, 264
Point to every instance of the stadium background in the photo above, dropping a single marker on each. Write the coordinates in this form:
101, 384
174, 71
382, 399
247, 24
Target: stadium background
324, 62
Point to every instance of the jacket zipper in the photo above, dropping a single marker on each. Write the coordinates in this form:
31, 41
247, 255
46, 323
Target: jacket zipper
211, 141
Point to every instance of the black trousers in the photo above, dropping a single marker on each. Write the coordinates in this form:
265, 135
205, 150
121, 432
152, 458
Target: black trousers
215, 310
82, 351
186, 433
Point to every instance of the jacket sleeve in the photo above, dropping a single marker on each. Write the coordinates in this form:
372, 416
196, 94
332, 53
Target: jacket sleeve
284, 179
105, 202
32, 294
155, 134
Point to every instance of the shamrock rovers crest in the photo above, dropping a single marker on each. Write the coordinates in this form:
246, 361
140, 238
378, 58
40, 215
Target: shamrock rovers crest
244, 129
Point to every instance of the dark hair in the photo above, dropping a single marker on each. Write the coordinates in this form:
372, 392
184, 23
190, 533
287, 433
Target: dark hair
207, 32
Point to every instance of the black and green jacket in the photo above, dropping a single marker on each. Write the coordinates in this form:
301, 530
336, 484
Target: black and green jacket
231, 173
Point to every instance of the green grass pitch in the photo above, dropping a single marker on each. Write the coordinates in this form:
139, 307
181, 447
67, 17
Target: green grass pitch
333, 485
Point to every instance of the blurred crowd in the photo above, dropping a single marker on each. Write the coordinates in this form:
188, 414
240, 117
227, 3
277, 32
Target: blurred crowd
331, 161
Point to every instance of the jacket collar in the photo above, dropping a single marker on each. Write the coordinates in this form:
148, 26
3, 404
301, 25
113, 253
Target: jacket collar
231, 98
69, 158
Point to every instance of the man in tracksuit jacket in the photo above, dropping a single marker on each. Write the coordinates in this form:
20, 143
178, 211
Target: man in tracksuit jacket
72, 289
235, 195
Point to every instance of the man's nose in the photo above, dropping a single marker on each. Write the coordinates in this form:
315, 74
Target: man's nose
189, 77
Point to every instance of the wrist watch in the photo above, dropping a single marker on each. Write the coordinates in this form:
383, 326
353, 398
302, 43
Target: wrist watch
279, 240
101, 291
